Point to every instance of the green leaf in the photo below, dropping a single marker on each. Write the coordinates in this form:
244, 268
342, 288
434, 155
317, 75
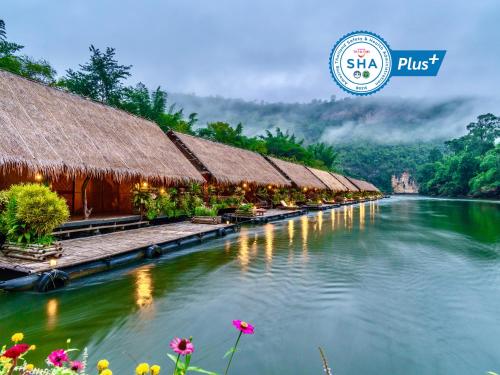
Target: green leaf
200, 370
230, 351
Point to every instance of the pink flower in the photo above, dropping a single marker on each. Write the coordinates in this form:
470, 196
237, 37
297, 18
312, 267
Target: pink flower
182, 346
77, 366
58, 357
244, 327
16, 351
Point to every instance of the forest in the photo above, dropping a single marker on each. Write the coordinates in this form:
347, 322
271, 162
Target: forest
464, 166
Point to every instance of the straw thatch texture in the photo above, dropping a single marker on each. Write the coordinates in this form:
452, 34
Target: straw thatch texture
299, 174
53, 132
363, 185
231, 165
345, 181
330, 181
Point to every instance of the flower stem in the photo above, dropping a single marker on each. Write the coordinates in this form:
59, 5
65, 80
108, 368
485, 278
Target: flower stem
232, 354
176, 362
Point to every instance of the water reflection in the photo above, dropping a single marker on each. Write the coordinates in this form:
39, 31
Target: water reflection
51, 310
372, 212
362, 216
269, 233
291, 229
304, 224
243, 256
320, 220
143, 287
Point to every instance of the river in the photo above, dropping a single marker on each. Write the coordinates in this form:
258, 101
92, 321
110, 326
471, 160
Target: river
406, 285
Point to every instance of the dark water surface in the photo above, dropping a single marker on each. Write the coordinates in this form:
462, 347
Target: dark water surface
402, 286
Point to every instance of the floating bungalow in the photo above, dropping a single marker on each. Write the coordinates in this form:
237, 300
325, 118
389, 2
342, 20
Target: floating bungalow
90, 154
300, 176
227, 165
96, 157
350, 187
364, 186
329, 181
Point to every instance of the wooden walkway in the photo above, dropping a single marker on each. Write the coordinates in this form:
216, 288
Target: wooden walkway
269, 215
79, 251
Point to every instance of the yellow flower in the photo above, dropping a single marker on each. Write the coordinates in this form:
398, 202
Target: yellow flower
142, 369
155, 370
16, 337
102, 365
33, 347
107, 372
29, 367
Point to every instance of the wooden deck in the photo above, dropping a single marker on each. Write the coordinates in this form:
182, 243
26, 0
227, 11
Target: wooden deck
269, 215
80, 251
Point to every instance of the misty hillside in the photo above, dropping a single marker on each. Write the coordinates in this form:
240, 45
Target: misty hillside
382, 120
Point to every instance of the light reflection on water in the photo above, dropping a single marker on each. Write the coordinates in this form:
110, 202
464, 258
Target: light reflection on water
52, 308
143, 288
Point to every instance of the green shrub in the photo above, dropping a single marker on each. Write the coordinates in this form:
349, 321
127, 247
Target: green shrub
246, 208
33, 211
205, 211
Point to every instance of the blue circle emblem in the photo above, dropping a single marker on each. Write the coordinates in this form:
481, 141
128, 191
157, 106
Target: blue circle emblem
360, 63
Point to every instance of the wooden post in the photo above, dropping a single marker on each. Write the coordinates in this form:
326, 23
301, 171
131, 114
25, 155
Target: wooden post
86, 212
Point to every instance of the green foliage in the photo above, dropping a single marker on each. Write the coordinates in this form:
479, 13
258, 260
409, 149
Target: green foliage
32, 212
246, 208
23, 65
471, 165
100, 78
205, 211
377, 162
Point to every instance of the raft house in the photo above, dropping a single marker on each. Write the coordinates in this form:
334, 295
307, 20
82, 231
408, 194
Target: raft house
93, 155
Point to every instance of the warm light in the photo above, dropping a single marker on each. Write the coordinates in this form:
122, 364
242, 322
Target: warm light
269, 187
162, 191
245, 184
269, 242
144, 184
53, 263
243, 250
38, 177
227, 221
51, 310
143, 288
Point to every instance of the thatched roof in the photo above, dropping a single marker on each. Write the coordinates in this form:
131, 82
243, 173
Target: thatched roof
346, 182
46, 130
299, 174
230, 165
363, 185
330, 181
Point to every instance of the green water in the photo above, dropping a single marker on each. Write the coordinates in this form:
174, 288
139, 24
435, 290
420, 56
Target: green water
402, 286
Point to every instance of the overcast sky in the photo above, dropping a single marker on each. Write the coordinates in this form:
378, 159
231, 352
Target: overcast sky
262, 49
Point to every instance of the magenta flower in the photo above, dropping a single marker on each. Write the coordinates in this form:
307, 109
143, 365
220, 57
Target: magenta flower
77, 366
182, 346
58, 357
244, 327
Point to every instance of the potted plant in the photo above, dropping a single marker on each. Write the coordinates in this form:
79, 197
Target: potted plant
206, 215
28, 215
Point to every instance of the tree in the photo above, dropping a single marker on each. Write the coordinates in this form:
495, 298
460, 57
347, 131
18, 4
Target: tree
10, 60
324, 153
140, 101
100, 78
470, 166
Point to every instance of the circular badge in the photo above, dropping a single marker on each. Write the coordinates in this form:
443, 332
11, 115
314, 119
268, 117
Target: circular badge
360, 63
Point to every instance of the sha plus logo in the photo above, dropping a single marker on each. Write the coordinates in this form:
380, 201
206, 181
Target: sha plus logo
362, 63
